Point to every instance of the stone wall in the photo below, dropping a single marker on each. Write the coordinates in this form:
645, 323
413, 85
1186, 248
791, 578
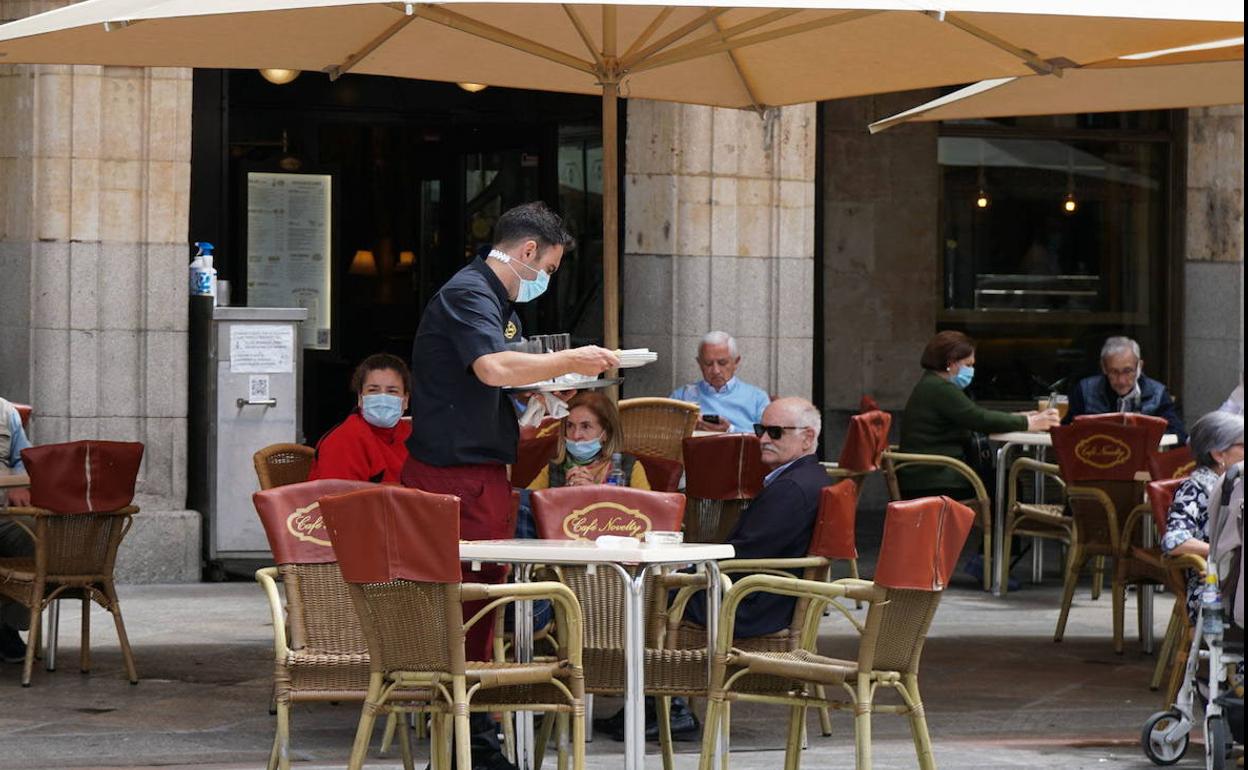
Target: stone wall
94, 187
1213, 327
719, 234
881, 200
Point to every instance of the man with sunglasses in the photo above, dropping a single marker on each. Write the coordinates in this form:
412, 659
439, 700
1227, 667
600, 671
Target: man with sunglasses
779, 522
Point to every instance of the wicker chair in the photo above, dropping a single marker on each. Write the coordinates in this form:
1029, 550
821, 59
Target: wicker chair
583, 513
398, 549
1045, 520
1177, 642
537, 447
80, 511
722, 474
922, 541
865, 444
280, 464
892, 462
656, 426
319, 649
1100, 462
831, 540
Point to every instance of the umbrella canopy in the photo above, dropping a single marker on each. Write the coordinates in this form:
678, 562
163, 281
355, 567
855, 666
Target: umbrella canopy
751, 55
757, 53
1189, 79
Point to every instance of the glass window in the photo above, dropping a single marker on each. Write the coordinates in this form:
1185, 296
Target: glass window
1054, 238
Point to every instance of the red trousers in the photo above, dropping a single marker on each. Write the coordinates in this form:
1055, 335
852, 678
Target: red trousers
485, 513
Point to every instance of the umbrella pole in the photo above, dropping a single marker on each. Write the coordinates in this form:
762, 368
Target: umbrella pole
610, 217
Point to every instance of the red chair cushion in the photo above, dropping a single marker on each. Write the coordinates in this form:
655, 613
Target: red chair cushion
866, 441
83, 476
922, 541
662, 474
834, 537
1155, 427
585, 513
723, 467
1175, 463
292, 519
1101, 450
1160, 496
536, 449
394, 533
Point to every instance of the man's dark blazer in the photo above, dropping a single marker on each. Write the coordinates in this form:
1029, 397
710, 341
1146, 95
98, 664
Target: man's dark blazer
777, 524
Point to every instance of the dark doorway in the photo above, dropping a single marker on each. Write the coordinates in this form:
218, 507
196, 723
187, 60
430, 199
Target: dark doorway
420, 172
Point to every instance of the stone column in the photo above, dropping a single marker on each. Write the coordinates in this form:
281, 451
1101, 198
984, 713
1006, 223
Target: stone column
94, 185
1213, 326
719, 234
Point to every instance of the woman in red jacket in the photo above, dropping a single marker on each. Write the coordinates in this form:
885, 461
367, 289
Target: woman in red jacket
370, 445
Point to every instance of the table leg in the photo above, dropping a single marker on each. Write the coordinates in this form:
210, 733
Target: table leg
1037, 543
634, 668
51, 634
522, 638
1000, 573
713, 591
1144, 597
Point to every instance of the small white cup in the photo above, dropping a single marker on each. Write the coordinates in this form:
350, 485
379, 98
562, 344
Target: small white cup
658, 537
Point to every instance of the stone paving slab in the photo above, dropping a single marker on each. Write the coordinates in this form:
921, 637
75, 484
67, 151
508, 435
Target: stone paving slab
998, 692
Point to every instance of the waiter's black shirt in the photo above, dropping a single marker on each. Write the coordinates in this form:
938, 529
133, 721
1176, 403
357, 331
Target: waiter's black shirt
456, 418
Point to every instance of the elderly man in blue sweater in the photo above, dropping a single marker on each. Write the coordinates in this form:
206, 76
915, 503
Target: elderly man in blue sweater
727, 404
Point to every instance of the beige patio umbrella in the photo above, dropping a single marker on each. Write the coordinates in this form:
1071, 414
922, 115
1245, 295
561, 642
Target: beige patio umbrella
752, 54
1188, 79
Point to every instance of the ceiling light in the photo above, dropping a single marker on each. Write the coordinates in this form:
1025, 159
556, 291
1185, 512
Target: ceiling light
279, 77
473, 88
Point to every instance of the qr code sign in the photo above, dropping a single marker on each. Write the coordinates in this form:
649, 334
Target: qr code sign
258, 388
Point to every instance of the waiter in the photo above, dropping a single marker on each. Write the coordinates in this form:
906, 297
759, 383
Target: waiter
464, 429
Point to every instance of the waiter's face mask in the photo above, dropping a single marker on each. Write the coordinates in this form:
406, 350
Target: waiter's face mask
530, 288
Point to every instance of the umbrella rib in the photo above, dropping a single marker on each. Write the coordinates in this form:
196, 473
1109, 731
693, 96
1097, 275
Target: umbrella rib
336, 71
471, 26
627, 62
736, 66
699, 49
585, 38
650, 29
1040, 66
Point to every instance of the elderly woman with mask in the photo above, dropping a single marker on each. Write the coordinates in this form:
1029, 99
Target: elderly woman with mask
591, 435
370, 444
1217, 442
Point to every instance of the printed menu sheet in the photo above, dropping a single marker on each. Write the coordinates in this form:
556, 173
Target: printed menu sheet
288, 247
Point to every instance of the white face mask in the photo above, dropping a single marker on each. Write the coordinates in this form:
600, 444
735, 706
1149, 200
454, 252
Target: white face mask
530, 288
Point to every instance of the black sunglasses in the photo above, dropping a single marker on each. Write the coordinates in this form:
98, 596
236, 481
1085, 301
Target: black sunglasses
775, 431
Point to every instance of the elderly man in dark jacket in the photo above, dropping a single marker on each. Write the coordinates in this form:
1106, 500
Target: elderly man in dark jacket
1122, 387
777, 524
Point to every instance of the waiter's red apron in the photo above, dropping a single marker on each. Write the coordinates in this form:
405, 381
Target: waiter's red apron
485, 513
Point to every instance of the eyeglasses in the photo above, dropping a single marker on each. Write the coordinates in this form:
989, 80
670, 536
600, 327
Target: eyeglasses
775, 431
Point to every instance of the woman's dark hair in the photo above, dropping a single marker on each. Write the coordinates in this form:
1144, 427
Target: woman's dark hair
945, 348
533, 221
380, 361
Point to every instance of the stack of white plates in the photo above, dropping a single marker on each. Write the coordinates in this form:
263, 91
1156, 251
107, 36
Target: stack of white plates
636, 357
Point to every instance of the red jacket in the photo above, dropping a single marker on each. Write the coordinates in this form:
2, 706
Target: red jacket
363, 452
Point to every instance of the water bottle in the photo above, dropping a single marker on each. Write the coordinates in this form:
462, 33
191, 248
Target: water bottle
203, 274
1211, 608
616, 477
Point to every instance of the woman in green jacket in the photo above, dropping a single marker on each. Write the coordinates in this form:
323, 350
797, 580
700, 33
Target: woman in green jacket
939, 417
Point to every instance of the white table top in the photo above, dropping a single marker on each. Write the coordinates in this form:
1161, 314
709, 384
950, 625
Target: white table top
586, 552
1043, 438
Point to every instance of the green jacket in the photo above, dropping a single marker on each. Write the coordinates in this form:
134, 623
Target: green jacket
938, 420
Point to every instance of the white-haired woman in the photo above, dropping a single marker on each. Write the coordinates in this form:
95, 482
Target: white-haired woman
1217, 442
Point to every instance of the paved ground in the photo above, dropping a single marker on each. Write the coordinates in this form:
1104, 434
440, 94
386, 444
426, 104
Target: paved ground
999, 693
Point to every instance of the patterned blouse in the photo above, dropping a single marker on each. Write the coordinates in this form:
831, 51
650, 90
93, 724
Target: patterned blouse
1189, 518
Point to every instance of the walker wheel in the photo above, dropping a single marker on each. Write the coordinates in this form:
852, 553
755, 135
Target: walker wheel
1217, 741
1153, 739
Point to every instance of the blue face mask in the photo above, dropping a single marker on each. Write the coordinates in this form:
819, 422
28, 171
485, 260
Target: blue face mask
381, 410
964, 376
530, 289
583, 451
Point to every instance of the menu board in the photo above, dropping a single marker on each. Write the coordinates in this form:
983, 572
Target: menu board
288, 248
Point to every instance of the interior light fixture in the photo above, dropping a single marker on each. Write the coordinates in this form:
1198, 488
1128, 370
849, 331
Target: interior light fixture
473, 88
279, 77
363, 263
981, 198
1069, 204
406, 260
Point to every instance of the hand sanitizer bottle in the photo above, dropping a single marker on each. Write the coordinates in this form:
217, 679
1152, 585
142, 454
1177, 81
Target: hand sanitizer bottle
203, 274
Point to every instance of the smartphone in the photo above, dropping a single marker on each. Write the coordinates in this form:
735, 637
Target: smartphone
711, 418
